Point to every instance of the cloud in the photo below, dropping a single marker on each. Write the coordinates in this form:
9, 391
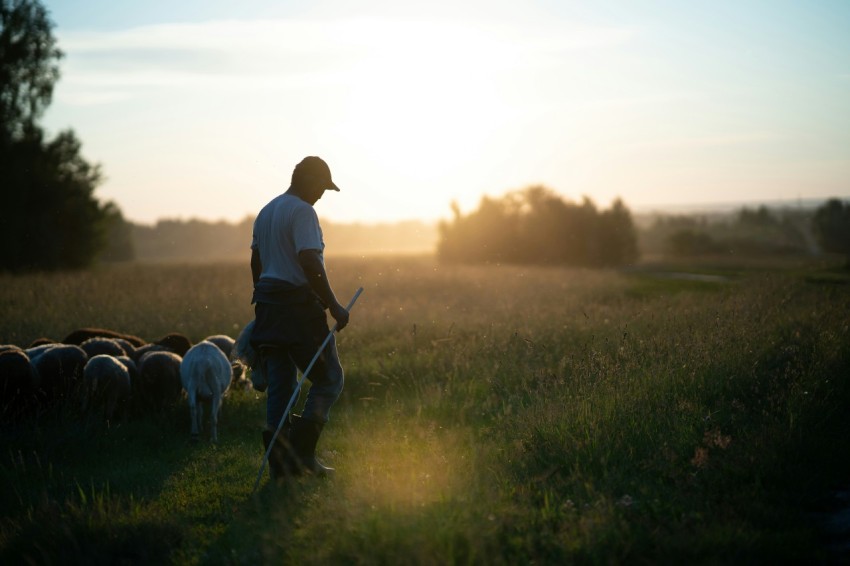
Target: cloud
652, 99
285, 54
726, 140
307, 37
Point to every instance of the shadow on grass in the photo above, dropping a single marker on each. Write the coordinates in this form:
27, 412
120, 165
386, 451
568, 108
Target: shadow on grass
51, 457
81, 491
785, 406
264, 524
56, 540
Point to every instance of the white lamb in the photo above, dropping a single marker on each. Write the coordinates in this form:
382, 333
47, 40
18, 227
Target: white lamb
206, 375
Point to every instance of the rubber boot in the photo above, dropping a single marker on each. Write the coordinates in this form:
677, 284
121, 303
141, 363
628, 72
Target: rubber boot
281, 459
304, 437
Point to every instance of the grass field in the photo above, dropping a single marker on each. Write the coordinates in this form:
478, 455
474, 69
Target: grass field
491, 415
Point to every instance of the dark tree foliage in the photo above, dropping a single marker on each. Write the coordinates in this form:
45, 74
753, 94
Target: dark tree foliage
758, 232
831, 225
49, 217
759, 217
29, 67
119, 236
617, 235
537, 226
688, 242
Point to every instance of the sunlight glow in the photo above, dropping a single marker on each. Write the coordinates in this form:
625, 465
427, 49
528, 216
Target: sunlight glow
407, 470
408, 112
417, 107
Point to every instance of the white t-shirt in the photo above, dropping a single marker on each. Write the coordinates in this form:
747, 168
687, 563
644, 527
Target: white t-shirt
285, 226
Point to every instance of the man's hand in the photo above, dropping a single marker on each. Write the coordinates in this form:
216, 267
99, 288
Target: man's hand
314, 269
340, 315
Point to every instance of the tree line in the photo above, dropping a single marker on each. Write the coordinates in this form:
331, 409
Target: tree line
200, 240
756, 231
49, 218
536, 225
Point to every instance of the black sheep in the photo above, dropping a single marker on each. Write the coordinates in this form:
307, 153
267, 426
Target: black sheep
159, 383
60, 369
80, 335
18, 383
99, 345
175, 342
106, 387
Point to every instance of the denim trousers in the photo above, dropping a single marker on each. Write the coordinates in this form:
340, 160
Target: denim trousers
326, 381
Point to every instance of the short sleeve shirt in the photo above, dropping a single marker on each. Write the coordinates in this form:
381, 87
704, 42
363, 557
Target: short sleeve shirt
284, 227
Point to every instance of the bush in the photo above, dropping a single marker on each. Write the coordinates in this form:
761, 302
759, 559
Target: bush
536, 226
831, 225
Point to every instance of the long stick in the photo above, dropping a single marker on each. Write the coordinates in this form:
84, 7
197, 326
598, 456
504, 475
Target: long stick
297, 390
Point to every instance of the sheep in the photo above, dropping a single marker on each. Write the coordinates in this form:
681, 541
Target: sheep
106, 386
206, 375
10, 348
176, 342
35, 351
244, 352
131, 366
98, 345
159, 380
224, 343
129, 348
18, 382
79, 336
133, 370
60, 369
140, 352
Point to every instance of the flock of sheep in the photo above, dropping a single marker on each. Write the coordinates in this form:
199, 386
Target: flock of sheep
114, 375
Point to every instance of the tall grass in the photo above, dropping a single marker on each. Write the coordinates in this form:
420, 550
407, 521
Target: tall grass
492, 415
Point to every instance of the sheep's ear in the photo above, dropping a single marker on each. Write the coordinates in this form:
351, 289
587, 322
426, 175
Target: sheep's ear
238, 370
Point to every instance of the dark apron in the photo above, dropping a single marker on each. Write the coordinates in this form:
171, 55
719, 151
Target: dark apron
286, 315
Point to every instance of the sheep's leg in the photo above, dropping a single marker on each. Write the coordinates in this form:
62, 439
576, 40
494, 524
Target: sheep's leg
215, 408
193, 414
111, 403
200, 415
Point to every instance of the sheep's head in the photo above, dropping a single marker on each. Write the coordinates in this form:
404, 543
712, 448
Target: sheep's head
238, 369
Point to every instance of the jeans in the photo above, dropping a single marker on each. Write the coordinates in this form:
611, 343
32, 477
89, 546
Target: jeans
287, 337
326, 379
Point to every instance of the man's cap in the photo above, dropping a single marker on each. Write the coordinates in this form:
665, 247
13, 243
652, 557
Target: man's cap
316, 167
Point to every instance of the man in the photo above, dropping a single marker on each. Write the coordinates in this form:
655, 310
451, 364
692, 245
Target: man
291, 293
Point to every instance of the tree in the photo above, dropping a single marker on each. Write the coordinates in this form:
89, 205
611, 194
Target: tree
759, 217
831, 225
617, 235
689, 242
118, 235
488, 235
29, 67
537, 226
50, 218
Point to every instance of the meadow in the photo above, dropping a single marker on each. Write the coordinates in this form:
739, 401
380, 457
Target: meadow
491, 415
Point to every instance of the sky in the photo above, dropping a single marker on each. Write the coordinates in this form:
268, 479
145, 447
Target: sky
201, 108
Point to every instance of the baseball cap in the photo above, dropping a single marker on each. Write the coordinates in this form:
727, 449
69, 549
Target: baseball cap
316, 167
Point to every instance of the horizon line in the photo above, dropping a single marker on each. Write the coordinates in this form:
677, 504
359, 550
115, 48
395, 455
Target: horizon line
679, 208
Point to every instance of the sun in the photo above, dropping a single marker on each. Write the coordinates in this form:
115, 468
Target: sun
422, 100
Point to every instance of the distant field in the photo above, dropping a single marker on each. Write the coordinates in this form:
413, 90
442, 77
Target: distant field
491, 415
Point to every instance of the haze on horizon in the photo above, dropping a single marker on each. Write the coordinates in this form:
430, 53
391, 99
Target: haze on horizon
201, 108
